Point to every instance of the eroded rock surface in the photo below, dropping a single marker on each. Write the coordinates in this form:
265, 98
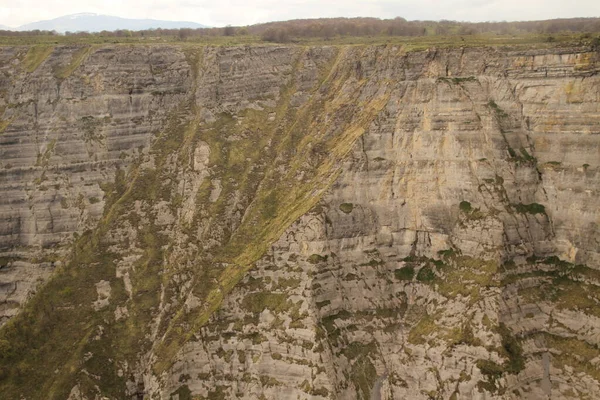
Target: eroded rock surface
391, 288
451, 249
62, 140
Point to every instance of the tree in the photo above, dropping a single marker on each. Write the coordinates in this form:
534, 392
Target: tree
229, 31
279, 35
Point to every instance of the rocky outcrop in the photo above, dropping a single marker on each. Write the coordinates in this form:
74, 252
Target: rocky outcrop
451, 249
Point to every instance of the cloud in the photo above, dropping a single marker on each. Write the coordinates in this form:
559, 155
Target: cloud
245, 12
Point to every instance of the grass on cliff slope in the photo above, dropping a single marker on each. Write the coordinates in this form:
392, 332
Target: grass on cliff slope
306, 162
36, 56
64, 71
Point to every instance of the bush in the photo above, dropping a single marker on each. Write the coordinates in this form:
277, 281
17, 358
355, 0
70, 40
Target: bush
347, 207
490, 368
533, 208
316, 258
426, 274
229, 31
278, 35
447, 253
516, 361
405, 274
465, 206
6, 349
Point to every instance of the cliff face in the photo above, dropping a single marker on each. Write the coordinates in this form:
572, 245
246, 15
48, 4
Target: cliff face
287, 222
62, 137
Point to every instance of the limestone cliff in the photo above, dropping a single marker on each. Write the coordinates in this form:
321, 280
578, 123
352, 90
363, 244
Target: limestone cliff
291, 222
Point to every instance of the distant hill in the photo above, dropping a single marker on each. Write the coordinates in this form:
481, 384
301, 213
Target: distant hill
96, 23
5, 28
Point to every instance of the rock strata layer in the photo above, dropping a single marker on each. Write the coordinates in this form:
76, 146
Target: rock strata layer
301, 223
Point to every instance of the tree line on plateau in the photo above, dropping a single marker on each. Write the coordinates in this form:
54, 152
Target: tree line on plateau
288, 31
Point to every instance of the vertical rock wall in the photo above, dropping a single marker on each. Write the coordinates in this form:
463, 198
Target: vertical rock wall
454, 255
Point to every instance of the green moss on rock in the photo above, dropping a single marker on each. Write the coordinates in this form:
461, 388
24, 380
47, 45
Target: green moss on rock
346, 207
316, 258
257, 302
405, 273
532, 208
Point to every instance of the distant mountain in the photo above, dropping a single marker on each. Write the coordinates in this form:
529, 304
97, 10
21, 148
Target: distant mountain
96, 23
5, 28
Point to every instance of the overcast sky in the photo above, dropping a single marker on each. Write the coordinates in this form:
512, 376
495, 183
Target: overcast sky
245, 12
